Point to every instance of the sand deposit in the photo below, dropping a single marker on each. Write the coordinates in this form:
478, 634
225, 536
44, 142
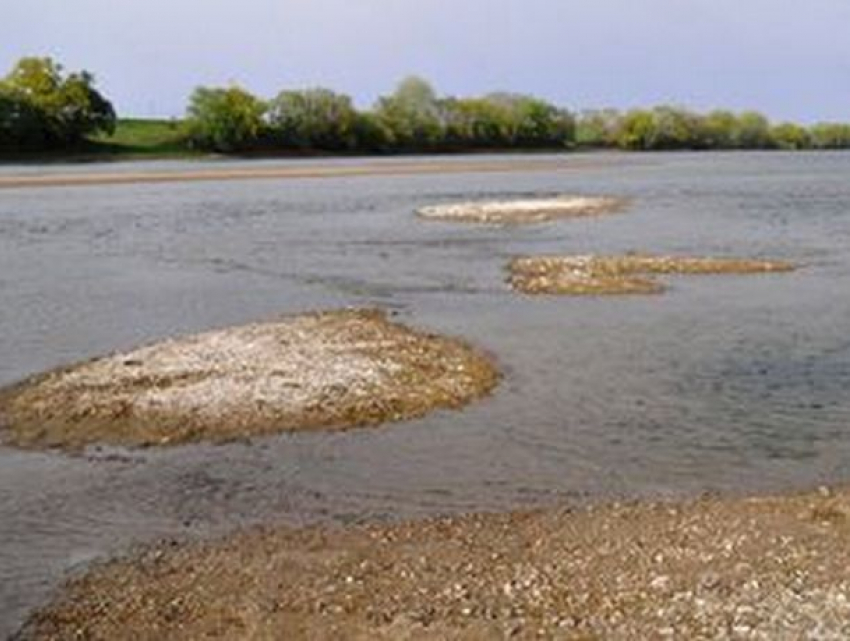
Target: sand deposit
628, 274
761, 568
336, 369
511, 212
288, 170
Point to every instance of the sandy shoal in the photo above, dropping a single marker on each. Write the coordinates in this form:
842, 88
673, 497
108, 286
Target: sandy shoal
323, 370
625, 274
282, 172
523, 210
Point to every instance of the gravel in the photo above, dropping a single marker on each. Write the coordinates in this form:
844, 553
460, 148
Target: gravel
713, 568
628, 274
324, 370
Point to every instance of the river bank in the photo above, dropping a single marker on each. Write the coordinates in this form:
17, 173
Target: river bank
746, 568
127, 174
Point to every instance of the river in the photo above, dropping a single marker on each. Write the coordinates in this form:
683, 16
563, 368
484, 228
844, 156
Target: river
722, 384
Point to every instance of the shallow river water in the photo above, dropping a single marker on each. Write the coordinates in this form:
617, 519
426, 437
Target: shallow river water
722, 384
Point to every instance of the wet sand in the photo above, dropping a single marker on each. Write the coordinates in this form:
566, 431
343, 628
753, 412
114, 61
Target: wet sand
628, 274
296, 171
744, 568
332, 369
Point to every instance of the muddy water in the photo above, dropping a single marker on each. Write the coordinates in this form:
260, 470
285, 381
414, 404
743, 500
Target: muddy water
722, 384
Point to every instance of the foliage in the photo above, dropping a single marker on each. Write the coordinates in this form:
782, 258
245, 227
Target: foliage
718, 129
791, 136
830, 135
751, 131
526, 121
413, 115
313, 119
41, 107
225, 119
598, 128
667, 127
636, 130
371, 133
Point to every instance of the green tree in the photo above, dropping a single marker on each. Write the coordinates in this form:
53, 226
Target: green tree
225, 119
315, 118
718, 129
22, 126
473, 123
44, 107
598, 128
636, 130
675, 128
830, 135
752, 131
371, 134
413, 114
788, 135
526, 121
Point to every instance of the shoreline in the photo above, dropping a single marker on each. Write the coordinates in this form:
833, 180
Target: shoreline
727, 566
366, 169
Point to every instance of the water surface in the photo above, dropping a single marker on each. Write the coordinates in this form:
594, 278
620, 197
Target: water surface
723, 384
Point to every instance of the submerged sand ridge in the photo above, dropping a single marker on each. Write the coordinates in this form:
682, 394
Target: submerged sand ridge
627, 274
765, 568
328, 370
523, 211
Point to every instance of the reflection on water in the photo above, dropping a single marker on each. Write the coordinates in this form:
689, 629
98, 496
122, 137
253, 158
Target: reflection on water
723, 383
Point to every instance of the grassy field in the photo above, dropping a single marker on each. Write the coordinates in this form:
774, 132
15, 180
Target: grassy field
144, 137
133, 138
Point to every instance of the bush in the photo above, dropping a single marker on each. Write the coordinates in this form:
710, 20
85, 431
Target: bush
313, 119
830, 135
225, 120
790, 136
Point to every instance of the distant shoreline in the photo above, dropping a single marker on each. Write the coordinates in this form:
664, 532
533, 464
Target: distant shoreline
366, 169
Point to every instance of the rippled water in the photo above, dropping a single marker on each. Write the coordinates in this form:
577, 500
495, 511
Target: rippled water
724, 383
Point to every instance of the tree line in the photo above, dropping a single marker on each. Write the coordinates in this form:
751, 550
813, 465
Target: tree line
667, 127
412, 118
42, 107
415, 118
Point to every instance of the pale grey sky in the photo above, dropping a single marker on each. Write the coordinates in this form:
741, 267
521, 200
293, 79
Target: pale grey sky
790, 59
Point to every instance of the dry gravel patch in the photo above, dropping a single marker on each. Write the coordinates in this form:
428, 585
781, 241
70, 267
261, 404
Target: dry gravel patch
627, 274
515, 212
729, 568
323, 370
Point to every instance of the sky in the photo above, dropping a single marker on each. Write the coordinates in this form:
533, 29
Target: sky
786, 58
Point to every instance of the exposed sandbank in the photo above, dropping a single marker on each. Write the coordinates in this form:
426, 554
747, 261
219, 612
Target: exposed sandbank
516, 212
297, 171
628, 274
323, 370
762, 568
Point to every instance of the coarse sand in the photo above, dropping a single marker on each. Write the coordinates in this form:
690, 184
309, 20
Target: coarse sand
712, 568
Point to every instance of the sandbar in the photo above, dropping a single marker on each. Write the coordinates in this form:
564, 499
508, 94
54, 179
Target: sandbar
626, 274
336, 369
